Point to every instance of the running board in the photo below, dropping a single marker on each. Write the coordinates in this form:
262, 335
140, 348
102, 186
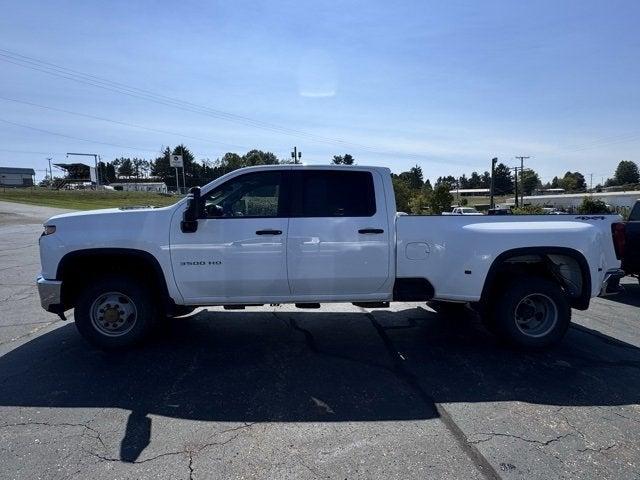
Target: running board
242, 306
307, 305
371, 304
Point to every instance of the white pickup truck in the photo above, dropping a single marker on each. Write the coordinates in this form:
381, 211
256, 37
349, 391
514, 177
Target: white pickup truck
311, 234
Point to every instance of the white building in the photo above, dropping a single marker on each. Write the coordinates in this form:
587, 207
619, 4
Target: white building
157, 187
470, 192
16, 177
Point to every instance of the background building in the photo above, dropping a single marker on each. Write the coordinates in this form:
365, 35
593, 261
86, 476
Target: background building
16, 177
158, 187
619, 201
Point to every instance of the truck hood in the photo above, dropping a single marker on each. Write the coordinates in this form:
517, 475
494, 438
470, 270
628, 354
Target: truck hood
90, 215
114, 224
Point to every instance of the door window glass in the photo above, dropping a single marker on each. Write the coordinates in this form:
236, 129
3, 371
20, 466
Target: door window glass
251, 195
326, 193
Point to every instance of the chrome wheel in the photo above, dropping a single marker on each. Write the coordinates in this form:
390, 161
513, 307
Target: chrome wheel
113, 314
536, 315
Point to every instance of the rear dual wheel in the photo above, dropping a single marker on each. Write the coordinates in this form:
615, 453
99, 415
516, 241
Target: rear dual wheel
532, 312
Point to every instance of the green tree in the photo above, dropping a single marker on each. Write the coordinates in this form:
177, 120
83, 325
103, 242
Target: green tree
110, 172
402, 193
475, 181
502, 181
419, 202
449, 180
528, 210
573, 182
486, 180
440, 200
591, 205
258, 157
627, 172
529, 181
346, 159
125, 169
413, 178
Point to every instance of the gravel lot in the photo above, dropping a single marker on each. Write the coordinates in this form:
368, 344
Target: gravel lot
340, 392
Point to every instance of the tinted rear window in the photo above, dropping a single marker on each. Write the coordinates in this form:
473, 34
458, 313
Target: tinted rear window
325, 193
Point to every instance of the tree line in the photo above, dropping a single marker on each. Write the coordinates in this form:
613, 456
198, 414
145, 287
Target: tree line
414, 193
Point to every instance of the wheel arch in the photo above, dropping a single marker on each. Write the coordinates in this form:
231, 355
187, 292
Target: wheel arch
80, 265
524, 259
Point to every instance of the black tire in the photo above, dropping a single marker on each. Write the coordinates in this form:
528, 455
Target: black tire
530, 312
115, 294
180, 311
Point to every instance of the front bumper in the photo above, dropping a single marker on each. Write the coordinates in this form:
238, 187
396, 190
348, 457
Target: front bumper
611, 282
49, 291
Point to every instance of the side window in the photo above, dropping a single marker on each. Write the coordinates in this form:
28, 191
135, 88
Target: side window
330, 193
250, 195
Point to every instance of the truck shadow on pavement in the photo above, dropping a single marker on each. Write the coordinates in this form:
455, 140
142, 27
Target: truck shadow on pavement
308, 367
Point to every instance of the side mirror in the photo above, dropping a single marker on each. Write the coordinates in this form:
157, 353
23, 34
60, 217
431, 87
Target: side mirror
191, 214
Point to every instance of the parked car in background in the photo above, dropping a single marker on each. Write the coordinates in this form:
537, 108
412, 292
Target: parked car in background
462, 211
499, 211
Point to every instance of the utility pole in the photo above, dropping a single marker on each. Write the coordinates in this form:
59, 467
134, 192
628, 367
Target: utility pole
522, 159
184, 183
493, 169
50, 174
516, 185
591, 181
296, 155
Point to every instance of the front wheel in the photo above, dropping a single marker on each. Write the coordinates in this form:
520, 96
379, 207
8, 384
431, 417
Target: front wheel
532, 312
115, 312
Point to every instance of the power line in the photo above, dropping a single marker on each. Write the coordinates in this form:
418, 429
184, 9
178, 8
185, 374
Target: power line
118, 122
76, 138
121, 88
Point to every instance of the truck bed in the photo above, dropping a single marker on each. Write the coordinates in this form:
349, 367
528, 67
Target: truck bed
455, 252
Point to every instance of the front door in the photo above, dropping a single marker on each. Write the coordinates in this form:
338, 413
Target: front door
338, 242
238, 252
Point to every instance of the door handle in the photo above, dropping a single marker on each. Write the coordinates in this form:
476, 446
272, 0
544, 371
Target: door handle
370, 230
269, 232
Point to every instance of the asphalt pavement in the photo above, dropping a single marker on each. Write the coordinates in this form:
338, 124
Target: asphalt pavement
341, 392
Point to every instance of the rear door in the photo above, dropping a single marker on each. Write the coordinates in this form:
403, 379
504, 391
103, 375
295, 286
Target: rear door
338, 241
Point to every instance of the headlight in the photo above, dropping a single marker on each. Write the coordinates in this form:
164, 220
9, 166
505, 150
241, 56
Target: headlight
48, 230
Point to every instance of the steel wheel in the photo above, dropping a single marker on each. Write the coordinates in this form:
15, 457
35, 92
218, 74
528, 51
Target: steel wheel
113, 314
536, 315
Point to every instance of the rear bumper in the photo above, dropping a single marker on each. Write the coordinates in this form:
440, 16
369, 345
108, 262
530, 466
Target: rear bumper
611, 282
49, 291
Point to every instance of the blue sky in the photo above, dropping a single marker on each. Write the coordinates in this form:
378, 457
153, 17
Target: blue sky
445, 85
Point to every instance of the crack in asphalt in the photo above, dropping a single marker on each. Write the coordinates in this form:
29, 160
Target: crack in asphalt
479, 460
190, 465
524, 439
190, 451
598, 450
84, 425
30, 332
24, 290
398, 369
